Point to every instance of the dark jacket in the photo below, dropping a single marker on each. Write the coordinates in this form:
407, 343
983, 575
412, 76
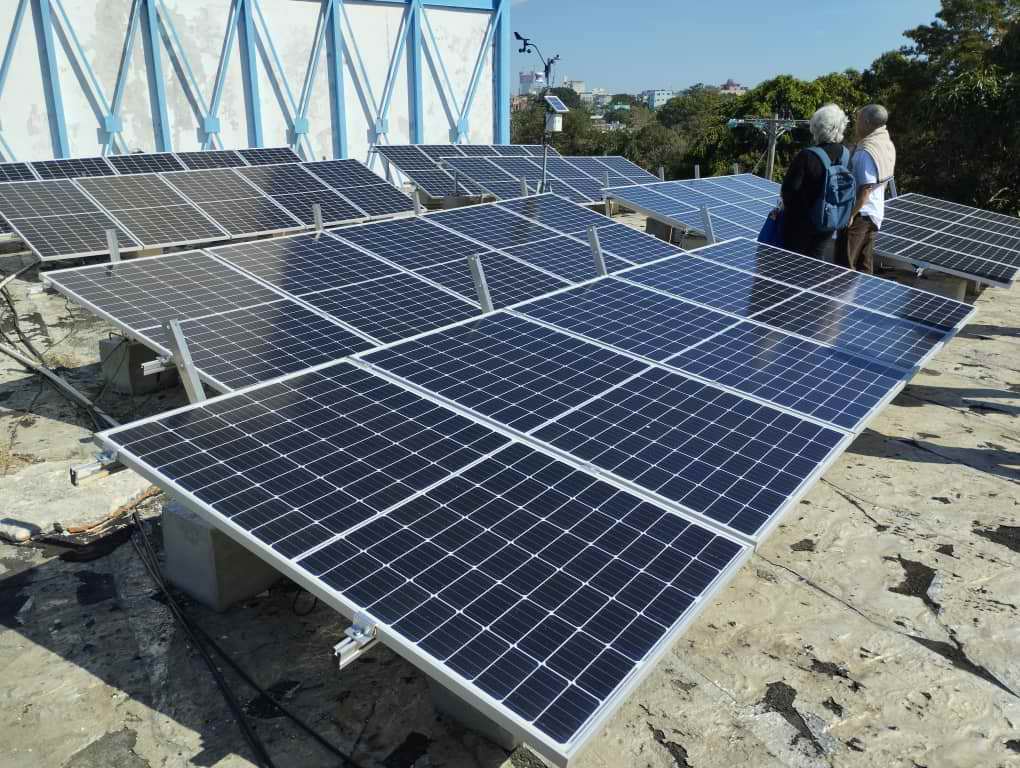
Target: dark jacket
801, 189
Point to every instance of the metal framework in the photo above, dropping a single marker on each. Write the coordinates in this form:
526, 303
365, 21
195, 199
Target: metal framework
246, 25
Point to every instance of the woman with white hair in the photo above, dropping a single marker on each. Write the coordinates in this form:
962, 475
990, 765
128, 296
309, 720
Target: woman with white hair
804, 182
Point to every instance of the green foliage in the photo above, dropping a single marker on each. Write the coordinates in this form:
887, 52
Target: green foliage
953, 98
568, 96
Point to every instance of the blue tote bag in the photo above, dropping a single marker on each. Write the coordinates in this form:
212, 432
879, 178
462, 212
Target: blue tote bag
772, 232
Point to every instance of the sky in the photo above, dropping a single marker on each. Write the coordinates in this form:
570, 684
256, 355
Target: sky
633, 45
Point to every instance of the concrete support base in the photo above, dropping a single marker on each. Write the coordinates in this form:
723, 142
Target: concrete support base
209, 565
452, 706
944, 285
121, 361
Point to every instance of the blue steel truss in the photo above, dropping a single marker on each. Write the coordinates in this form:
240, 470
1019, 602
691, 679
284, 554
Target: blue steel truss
246, 26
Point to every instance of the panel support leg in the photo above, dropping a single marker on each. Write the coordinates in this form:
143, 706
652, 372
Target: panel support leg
481, 285
706, 217
182, 359
697, 171
596, 252
113, 244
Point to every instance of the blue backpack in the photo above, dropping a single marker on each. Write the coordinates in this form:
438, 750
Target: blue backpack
839, 193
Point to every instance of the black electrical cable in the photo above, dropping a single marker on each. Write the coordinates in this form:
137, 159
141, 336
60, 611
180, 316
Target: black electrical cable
258, 748
17, 327
151, 562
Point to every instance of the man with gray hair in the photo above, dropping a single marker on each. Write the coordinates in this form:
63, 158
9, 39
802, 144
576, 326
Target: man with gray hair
873, 163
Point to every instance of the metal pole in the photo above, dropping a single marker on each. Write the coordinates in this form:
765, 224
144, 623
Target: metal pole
596, 252
773, 137
607, 181
417, 201
317, 216
892, 188
182, 359
706, 217
545, 162
524, 187
662, 173
697, 171
481, 286
113, 245
736, 169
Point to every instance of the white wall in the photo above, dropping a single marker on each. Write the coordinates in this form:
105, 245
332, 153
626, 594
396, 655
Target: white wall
101, 27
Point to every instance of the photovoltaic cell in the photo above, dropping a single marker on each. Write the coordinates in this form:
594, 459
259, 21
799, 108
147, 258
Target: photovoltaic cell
72, 168
269, 156
379, 199
732, 460
79, 234
510, 150
944, 259
256, 344
214, 158
34, 199
805, 377
304, 264
648, 199
491, 225
853, 330
144, 293
509, 281
151, 209
232, 202
392, 308
405, 157
629, 318
343, 174
628, 243
557, 213
511, 370
16, 172
566, 257
895, 299
625, 167
774, 263
411, 243
594, 167
152, 162
298, 461
714, 285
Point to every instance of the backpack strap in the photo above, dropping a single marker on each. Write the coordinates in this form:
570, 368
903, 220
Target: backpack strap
844, 159
822, 155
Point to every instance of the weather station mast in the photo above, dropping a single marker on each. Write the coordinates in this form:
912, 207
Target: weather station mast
554, 107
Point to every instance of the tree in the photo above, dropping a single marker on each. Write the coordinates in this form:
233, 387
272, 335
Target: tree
568, 96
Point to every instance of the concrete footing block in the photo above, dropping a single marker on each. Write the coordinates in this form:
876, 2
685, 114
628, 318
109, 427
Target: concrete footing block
207, 564
451, 705
122, 360
944, 285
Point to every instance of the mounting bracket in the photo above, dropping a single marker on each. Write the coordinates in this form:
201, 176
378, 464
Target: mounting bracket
361, 636
106, 464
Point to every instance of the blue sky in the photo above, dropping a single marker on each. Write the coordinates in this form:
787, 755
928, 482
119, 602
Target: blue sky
631, 45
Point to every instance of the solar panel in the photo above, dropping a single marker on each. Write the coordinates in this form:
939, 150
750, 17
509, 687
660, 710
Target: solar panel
438, 183
508, 369
945, 260
625, 167
652, 203
592, 166
16, 172
295, 189
405, 157
628, 317
474, 150
155, 213
231, 202
269, 156
72, 168
856, 331
727, 189
736, 462
410, 243
774, 263
358, 445
505, 190
379, 199
480, 170
969, 247
509, 281
247, 346
549, 629
491, 225
713, 285
281, 179
212, 158
142, 294
304, 264
510, 150
79, 234
537, 150
392, 308
819, 381
56, 220
149, 162
436, 152
565, 257
627, 243
892, 298
343, 174
557, 213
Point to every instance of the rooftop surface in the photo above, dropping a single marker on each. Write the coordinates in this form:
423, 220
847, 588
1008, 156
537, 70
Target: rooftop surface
877, 627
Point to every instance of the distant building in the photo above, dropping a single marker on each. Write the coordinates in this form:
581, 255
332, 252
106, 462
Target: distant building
657, 98
732, 88
531, 83
518, 103
577, 86
596, 98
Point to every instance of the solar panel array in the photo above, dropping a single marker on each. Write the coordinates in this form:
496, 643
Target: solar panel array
953, 238
214, 195
502, 171
922, 231
530, 503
